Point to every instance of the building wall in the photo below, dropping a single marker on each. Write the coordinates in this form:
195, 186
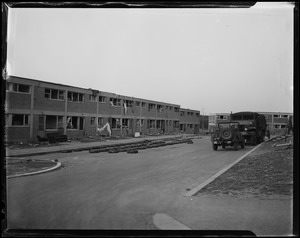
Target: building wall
46, 108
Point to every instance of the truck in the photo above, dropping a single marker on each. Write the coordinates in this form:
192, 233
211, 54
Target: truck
253, 126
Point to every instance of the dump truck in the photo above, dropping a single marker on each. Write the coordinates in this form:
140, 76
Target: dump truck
253, 126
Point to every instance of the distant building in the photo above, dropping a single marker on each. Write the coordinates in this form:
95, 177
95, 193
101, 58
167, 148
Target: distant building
37, 108
277, 122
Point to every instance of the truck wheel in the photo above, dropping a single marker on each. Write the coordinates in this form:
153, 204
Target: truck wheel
215, 147
243, 144
253, 140
235, 146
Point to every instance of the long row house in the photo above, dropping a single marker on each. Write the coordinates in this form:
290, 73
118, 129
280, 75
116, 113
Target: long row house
35, 109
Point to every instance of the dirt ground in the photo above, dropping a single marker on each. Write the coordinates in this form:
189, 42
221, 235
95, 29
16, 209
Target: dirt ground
22, 166
266, 173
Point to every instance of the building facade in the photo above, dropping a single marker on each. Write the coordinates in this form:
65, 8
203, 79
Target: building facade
277, 122
37, 108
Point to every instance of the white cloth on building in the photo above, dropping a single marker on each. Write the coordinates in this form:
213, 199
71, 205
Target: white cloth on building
103, 128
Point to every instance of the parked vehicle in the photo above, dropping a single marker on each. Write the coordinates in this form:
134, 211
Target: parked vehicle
227, 134
253, 126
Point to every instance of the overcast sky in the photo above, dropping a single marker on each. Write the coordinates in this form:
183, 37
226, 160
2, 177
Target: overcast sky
212, 60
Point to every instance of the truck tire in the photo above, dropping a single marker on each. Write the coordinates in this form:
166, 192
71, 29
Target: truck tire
226, 134
253, 140
215, 147
236, 145
243, 144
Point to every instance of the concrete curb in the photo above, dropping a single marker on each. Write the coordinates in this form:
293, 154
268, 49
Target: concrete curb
165, 222
212, 178
37, 172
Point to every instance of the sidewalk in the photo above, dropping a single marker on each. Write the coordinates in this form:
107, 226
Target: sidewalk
75, 145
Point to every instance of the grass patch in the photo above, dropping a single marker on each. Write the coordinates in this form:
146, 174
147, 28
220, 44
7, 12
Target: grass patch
267, 172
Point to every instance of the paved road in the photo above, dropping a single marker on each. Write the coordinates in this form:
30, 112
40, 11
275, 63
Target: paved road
117, 191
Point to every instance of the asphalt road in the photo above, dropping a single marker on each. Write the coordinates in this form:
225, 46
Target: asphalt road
115, 191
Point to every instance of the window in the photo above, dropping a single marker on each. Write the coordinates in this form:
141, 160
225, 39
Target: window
100, 121
197, 114
151, 106
182, 113
75, 97
151, 124
144, 104
20, 88
115, 123
115, 102
128, 103
20, 120
176, 109
160, 108
53, 122
72, 122
41, 123
101, 99
93, 98
93, 120
276, 126
223, 117
284, 116
125, 122
176, 124
276, 116
283, 126
137, 104
54, 94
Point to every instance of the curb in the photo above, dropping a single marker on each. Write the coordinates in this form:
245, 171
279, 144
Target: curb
37, 172
212, 178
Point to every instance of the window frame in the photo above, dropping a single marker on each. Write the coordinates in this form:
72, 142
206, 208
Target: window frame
26, 118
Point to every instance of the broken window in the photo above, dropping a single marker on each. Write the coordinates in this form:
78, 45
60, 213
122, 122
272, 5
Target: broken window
20, 120
54, 94
137, 104
75, 97
93, 98
125, 122
41, 123
115, 102
100, 121
182, 113
20, 88
51, 122
151, 106
72, 122
128, 103
160, 108
101, 99
176, 109
93, 120
115, 123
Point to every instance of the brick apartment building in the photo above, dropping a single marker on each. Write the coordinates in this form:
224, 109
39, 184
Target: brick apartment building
277, 121
37, 108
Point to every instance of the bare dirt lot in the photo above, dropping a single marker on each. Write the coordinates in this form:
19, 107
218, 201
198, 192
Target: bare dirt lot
266, 173
23, 166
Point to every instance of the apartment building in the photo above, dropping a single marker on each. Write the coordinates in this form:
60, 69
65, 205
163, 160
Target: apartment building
189, 121
277, 121
37, 108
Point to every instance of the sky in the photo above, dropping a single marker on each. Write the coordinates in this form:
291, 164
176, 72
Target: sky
211, 60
